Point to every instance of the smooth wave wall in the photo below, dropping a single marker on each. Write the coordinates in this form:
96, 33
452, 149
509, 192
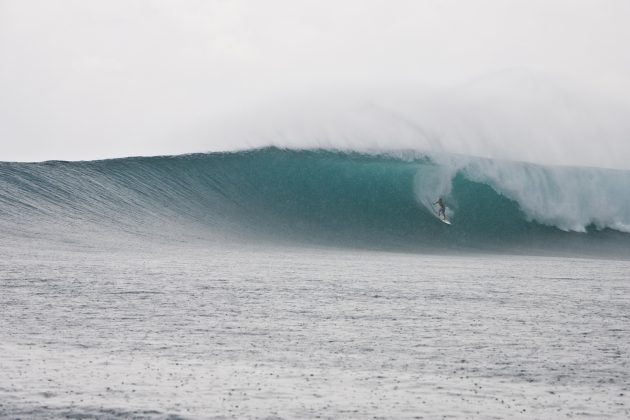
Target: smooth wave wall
379, 201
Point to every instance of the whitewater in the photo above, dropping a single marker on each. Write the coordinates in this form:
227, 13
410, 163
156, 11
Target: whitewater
301, 283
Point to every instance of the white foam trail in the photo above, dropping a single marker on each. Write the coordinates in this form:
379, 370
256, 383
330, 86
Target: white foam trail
432, 183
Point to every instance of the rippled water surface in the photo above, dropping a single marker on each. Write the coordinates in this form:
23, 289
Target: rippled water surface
199, 332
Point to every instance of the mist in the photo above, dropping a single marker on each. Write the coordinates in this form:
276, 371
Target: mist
539, 81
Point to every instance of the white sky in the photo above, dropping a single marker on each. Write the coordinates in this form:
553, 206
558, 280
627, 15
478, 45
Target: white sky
86, 79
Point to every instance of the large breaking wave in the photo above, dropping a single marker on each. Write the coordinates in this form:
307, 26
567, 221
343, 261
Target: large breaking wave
379, 200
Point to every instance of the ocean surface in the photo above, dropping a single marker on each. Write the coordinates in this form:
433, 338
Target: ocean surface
278, 283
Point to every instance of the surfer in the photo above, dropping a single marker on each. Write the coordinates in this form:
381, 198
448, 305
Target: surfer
441, 208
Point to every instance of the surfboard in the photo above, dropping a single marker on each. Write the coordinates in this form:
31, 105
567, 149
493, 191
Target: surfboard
448, 222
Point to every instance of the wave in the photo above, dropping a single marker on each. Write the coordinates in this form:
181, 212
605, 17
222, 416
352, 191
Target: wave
368, 200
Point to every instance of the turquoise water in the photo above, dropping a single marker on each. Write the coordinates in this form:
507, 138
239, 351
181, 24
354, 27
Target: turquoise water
380, 201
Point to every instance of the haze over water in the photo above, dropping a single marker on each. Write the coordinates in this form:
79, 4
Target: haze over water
530, 80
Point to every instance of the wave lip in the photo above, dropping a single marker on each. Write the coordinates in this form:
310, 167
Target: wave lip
380, 200
568, 198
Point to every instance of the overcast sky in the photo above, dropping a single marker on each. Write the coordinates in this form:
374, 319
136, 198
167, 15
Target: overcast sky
86, 79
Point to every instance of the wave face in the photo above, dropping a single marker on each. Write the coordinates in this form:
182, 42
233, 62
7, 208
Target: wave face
380, 201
